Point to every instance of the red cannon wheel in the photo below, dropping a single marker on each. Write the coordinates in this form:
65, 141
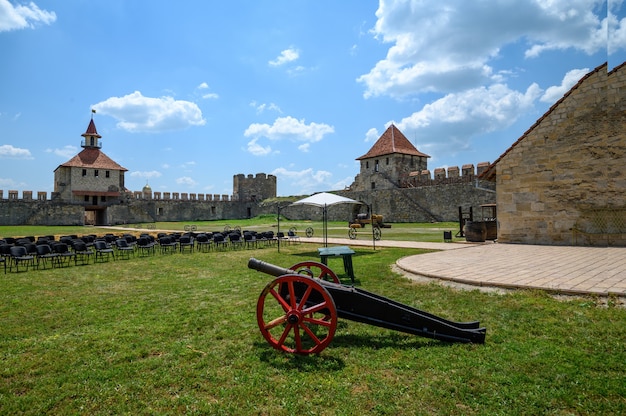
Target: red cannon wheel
316, 270
296, 314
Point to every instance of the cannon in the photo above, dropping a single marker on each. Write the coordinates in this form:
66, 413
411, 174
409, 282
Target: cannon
297, 312
363, 219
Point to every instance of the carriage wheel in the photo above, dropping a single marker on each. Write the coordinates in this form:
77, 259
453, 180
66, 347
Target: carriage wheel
352, 233
293, 229
227, 228
377, 233
296, 314
238, 228
309, 232
315, 270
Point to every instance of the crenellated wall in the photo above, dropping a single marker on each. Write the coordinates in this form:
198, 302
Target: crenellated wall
136, 206
441, 176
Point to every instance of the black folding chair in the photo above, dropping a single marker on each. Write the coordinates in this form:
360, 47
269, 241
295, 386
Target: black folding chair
19, 255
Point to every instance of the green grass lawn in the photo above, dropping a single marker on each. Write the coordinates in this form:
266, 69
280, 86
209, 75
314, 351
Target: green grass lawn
177, 334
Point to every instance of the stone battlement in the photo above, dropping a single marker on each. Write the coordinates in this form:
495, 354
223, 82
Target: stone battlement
27, 196
441, 176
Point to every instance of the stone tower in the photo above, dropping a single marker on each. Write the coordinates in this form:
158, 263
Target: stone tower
90, 178
388, 163
254, 188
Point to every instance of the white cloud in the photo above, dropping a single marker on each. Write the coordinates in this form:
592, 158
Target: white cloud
136, 113
555, 93
342, 183
146, 175
447, 124
15, 17
616, 32
306, 181
286, 56
372, 135
7, 183
66, 152
209, 95
186, 181
448, 47
260, 108
304, 148
290, 128
257, 150
10, 152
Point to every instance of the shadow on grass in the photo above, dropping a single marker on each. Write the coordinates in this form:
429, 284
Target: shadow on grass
306, 363
326, 360
388, 340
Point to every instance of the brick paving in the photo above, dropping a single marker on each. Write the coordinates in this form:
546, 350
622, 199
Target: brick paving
567, 270
559, 269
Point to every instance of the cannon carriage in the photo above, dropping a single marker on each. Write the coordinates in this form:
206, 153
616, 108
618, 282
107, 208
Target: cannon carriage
362, 219
297, 312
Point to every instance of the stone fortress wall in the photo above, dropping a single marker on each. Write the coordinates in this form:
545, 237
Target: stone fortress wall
420, 200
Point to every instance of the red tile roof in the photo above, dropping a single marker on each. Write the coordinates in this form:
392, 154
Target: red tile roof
392, 141
91, 130
490, 173
93, 158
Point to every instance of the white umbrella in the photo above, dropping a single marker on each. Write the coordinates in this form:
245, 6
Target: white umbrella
324, 200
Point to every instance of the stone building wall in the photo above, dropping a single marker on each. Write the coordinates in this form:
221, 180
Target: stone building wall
254, 188
563, 181
37, 212
420, 204
387, 172
68, 179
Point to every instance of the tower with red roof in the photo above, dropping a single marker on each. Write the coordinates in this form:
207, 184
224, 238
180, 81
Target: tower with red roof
90, 178
389, 162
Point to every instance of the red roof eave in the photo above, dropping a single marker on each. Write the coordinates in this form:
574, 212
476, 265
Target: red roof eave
95, 193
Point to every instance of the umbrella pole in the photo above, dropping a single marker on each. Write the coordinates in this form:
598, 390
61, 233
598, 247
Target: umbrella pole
370, 208
325, 220
278, 240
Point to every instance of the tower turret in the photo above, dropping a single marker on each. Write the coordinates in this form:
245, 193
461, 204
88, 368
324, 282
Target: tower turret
91, 136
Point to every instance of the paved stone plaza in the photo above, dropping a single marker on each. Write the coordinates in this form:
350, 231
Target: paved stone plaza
560, 269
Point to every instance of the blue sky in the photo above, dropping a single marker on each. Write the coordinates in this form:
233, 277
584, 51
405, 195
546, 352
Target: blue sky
189, 93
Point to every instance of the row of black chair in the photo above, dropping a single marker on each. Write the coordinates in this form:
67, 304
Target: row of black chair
47, 252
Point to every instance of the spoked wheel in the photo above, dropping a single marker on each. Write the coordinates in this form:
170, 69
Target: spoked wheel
352, 233
377, 233
309, 232
296, 314
315, 270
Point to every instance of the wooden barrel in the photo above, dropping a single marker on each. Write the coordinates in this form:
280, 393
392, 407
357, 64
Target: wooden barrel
492, 230
475, 231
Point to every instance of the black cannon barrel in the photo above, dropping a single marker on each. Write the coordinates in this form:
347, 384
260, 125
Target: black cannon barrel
268, 268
